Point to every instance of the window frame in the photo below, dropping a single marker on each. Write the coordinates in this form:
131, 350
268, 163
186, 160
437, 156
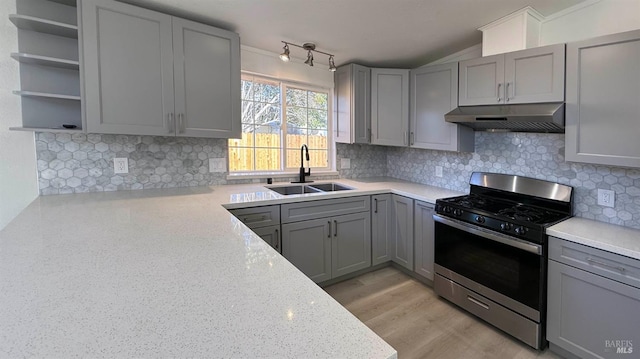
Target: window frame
284, 85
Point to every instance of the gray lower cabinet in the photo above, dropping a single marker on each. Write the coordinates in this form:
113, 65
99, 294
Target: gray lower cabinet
148, 73
307, 245
381, 225
402, 231
593, 301
434, 92
271, 235
328, 248
263, 221
424, 239
602, 112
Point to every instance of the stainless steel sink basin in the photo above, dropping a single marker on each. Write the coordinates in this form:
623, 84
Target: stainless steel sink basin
296, 189
330, 187
310, 188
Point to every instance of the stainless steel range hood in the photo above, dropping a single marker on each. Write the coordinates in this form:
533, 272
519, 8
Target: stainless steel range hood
535, 117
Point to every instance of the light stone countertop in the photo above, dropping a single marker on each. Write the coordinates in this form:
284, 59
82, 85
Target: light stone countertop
169, 273
617, 239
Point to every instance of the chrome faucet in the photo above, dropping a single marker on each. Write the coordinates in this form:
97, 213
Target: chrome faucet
303, 174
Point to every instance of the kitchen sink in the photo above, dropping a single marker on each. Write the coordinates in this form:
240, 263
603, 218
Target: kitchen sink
297, 189
312, 188
330, 187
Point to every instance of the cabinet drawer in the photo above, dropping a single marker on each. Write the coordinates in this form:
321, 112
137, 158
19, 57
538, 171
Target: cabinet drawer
257, 217
302, 211
610, 265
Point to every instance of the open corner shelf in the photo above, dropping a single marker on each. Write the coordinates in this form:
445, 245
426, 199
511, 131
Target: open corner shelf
47, 95
45, 61
43, 25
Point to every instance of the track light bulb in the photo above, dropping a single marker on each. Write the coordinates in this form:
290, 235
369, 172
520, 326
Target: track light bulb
332, 65
309, 59
285, 55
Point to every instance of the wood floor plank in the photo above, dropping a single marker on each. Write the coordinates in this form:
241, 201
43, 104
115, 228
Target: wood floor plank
419, 324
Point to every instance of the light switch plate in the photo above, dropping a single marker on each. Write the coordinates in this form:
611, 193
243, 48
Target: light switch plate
120, 165
606, 198
217, 165
345, 163
438, 171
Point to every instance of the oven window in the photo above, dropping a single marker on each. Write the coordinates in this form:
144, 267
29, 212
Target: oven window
507, 270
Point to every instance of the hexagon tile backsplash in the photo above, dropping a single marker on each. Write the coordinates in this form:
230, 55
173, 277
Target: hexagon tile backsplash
84, 163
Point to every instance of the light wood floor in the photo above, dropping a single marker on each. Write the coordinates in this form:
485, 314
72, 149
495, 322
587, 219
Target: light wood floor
418, 324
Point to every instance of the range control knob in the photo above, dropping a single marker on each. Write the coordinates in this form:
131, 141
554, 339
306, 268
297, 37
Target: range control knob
447, 209
521, 230
457, 212
506, 226
479, 219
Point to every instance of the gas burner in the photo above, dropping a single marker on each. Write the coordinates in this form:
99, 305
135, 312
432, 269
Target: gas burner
523, 213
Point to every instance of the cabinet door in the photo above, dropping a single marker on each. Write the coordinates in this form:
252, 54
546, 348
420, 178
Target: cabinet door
351, 243
389, 107
587, 312
434, 92
481, 81
271, 235
535, 75
402, 235
307, 245
128, 69
381, 229
424, 239
352, 122
207, 76
602, 112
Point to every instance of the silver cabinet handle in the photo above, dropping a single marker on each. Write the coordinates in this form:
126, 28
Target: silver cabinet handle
405, 137
375, 201
602, 264
329, 235
277, 239
506, 92
170, 126
477, 302
499, 86
335, 230
181, 123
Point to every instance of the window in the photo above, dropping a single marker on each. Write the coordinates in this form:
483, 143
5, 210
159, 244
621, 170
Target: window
277, 119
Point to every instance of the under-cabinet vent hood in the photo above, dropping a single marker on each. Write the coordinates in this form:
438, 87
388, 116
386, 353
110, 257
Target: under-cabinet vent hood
535, 117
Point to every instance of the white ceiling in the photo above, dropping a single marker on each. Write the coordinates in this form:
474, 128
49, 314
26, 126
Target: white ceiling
382, 33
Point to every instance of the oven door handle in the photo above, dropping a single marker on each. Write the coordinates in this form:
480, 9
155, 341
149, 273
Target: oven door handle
497, 237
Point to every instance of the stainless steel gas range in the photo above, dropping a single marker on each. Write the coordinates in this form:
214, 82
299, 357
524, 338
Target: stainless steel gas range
491, 250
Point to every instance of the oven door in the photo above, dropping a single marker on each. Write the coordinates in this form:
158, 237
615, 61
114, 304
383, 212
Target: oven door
505, 269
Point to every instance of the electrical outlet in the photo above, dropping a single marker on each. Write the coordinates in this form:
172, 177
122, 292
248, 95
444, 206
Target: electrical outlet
606, 198
345, 163
217, 165
438, 171
120, 165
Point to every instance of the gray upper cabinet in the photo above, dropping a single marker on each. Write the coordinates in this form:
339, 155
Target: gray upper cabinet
131, 58
593, 300
402, 231
602, 112
526, 76
389, 107
434, 92
424, 239
352, 118
481, 81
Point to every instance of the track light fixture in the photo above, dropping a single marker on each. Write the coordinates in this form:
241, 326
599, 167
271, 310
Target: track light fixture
284, 56
311, 48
